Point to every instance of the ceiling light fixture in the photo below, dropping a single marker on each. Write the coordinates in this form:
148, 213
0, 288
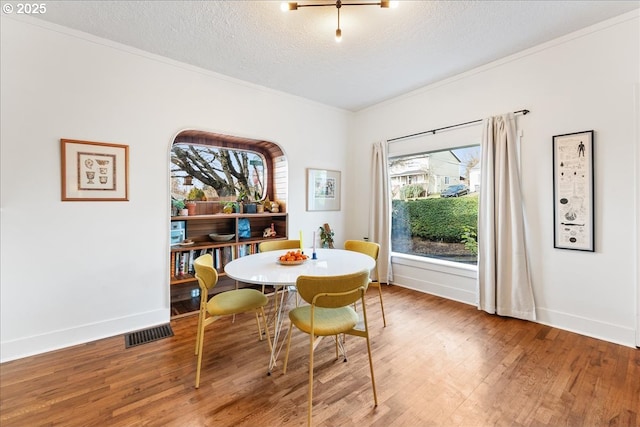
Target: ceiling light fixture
338, 4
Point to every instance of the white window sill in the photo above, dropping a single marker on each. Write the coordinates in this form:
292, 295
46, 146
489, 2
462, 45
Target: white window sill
433, 264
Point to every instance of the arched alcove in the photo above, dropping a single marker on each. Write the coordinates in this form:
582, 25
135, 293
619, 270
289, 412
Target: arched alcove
185, 291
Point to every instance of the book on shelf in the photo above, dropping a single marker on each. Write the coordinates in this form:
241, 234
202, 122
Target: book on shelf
177, 258
173, 265
217, 262
247, 249
226, 255
184, 263
190, 258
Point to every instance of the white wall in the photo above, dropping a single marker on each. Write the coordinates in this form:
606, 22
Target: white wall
580, 82
78, 271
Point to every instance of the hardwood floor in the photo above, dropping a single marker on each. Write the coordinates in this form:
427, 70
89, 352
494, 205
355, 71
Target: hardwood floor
437, 363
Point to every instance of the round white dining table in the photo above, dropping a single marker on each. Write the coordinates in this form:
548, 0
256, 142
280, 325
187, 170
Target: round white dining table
264, 269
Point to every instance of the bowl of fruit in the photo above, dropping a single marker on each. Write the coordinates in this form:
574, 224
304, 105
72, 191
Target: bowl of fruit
292, 258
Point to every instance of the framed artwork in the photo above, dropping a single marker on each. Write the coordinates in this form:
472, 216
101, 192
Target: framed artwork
323, 190
96, 171
573, 198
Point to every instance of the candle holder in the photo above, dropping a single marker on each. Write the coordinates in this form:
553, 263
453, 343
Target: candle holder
313, 255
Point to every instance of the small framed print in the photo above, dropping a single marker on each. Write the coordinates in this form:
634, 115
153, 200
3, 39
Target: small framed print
95, 171
323, 190
573, 198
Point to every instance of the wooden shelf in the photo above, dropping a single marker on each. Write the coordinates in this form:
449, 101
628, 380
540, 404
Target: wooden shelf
227, 216
198, 228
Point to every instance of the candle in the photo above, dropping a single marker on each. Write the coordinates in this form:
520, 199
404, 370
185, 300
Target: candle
301, 247
314, 241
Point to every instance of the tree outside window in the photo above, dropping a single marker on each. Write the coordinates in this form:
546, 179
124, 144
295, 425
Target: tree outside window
220, 173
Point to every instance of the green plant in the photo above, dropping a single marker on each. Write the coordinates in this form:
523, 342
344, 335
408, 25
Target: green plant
195, 194
469, 238
326, 237
178, 204
243, 197
229, 207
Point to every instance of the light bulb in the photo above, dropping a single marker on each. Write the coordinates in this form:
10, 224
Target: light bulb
286, 6
338, 35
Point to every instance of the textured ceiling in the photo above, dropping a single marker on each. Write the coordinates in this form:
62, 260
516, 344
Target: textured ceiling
383, 53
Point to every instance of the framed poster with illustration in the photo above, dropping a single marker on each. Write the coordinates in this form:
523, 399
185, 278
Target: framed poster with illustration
95, 171
573, 198
323, 190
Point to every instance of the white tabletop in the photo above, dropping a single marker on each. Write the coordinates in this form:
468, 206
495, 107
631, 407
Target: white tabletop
263, 268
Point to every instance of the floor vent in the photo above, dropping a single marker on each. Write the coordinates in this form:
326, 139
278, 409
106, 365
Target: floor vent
147, 335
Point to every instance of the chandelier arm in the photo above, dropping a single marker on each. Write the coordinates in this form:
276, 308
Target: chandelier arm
342, 3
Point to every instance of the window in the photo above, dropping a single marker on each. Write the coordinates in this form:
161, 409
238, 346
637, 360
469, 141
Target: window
220, 173
437, 215
221, 168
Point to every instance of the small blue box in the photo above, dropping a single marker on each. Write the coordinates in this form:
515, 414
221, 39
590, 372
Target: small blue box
178, 231
177, 236
178, 225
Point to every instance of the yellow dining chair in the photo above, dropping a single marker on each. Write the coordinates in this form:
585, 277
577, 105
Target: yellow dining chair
372, 249
226, 303
330, 313
274, 245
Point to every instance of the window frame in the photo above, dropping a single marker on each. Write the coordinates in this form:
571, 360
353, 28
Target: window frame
450, 139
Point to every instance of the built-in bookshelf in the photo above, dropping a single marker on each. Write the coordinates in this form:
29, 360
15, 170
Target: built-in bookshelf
197, 228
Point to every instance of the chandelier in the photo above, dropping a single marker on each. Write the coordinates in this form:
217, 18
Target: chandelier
294, 5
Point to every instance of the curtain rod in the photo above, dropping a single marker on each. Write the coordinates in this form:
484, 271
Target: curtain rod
433, 131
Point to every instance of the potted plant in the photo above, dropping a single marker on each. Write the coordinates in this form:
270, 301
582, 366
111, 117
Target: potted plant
178, 208
242, 199
191, 206
196, 194
326, 236
228, 207
249, 205
258, 202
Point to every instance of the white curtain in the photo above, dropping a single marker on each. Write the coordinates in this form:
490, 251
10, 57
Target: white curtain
504, 285
380, 210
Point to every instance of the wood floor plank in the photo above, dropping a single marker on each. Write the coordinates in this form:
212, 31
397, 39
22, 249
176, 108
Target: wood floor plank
437, 363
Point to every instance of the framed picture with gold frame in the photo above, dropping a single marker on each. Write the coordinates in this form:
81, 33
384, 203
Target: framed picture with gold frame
94, 171
323, 190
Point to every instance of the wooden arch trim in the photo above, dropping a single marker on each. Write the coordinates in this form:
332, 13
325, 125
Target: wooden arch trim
266, 148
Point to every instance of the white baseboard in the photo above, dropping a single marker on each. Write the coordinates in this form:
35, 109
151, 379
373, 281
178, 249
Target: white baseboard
616, 334
569, 322
24, 347
458, 283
